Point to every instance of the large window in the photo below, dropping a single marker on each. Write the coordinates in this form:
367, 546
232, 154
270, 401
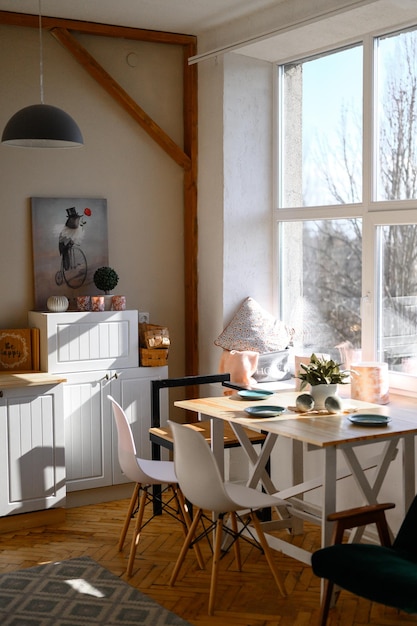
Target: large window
347, 201
396, 116
322, 130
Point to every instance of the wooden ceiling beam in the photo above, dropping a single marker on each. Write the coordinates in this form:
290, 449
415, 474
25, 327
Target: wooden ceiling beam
94, 28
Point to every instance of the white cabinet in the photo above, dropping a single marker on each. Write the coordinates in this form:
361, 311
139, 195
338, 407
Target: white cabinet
90, 436
87, 431
83, 342
32, 474
99, 355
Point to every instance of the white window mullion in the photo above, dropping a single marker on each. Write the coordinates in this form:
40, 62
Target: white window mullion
369, 251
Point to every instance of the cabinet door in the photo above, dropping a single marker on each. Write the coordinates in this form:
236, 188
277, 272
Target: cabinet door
32, 476
132, 389
87, 431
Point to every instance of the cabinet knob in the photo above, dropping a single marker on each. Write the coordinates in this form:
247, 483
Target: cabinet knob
1, 394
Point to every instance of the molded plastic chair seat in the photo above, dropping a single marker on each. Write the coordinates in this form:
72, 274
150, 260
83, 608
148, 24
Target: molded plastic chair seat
201, 483
381, 573
144, 473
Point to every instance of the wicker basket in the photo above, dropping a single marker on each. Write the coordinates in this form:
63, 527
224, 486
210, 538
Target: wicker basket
153, 336
153, 357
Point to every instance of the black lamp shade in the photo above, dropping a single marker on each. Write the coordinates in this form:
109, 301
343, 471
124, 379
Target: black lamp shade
42, 126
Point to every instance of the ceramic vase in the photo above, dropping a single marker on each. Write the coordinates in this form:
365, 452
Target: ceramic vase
57, 304
321, 392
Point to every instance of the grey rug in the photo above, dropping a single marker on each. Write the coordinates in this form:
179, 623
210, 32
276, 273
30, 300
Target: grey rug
77, 592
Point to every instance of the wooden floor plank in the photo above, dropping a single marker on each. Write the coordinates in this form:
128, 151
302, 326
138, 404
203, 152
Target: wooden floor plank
246, 598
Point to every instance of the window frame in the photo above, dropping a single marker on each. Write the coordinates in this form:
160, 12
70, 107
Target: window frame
373, 213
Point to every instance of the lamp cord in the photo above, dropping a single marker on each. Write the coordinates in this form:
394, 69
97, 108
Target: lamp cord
40, 54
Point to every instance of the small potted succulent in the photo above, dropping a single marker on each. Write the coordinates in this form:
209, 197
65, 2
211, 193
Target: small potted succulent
106, 279
323, 376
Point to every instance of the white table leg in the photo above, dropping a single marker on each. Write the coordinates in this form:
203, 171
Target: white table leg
217, 442
329, 493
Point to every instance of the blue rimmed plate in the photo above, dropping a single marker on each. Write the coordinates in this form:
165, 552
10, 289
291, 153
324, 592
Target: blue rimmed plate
369, 419
265, 411
253, 394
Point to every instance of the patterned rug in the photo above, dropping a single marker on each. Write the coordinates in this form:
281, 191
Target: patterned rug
77, 592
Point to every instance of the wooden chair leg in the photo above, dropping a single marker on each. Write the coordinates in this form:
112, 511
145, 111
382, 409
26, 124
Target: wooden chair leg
187, 525
185, 547
383, 530
236, 545
128, 517
268, 554
325, 604
136, 534
215, 566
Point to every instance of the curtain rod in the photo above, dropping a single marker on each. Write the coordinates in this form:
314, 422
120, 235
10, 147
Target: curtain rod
277, 31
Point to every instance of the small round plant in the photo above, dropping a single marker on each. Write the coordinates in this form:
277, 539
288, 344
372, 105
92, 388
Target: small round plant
105, 279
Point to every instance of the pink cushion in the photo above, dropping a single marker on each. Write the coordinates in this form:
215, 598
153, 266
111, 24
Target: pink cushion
241, 366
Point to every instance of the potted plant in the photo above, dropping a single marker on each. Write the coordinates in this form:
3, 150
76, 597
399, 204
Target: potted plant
323, 375
106, 279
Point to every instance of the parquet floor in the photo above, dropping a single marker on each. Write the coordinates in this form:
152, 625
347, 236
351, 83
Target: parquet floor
247, 598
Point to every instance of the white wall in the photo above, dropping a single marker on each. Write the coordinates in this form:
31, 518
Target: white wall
235, 194
119, 162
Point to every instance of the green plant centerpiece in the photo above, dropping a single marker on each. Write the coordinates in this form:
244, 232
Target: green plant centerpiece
105, 279
323, 375
322, 371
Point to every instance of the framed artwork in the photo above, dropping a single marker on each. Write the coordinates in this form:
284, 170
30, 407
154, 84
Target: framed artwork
69, 241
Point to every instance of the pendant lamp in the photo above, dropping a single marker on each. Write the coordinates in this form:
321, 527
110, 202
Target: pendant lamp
42, 125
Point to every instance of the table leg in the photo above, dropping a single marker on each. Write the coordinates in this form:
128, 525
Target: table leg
298, 479
409, 468
329, 493
217, 440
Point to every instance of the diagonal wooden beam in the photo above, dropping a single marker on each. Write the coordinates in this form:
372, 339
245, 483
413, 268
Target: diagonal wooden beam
121, 96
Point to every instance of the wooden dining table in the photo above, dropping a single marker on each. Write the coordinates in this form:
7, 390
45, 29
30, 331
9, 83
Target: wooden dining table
329, 433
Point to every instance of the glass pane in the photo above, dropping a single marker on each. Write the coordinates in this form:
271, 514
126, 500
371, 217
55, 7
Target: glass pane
397, 117
321, 123
397, 327
320, 285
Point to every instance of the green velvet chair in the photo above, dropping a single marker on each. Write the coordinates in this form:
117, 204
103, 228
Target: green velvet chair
384, 573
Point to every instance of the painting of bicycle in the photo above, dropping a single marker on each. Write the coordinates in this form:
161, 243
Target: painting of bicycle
70, 241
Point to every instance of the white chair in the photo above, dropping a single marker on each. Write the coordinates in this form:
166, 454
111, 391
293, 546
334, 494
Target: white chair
201, 483
144, 473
